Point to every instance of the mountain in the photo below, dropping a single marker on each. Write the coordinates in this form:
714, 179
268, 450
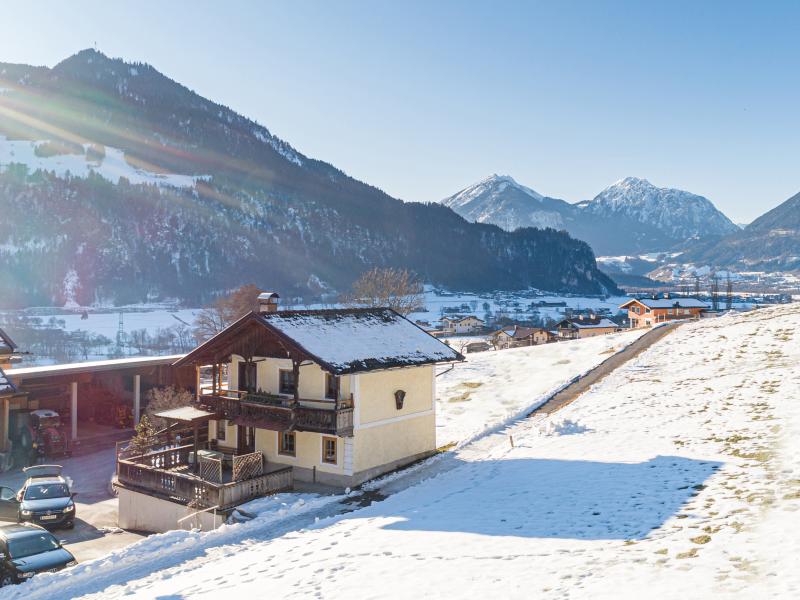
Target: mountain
118, 184
500, 200
631, 216
770, 243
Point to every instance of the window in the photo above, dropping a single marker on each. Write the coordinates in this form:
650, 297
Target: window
286, 383
287, 443
331, 387
222, 429
329, 450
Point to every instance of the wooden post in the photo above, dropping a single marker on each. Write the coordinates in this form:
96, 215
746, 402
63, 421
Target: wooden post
74, 409
197, 382
137, 398
196, 431
4, 423
296, 373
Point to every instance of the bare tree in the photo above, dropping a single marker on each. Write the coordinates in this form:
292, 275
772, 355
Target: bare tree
729, 293
397, 289
213, 319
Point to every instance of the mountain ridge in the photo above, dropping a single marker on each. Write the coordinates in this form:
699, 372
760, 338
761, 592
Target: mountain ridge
631, 215
141, 189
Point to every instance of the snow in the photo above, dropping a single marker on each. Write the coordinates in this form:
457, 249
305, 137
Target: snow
675, 477
495, 387
111, 167
359, 340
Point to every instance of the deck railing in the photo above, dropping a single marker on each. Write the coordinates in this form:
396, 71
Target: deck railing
151, 473
277, 413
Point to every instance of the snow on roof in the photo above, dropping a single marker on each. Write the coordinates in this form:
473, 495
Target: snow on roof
670, 302
356, 340
7, 345
185, 413
6, 385
96, 365
590, 323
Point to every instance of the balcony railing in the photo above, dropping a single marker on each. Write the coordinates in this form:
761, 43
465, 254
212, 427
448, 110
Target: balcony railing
277, 413
167, 473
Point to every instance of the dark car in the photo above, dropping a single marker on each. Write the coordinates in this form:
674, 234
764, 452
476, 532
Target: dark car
27, 549
45, 499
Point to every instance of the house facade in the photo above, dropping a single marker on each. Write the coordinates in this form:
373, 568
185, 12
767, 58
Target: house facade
462, 325
341, 396
583, 327
517, 335
647, 312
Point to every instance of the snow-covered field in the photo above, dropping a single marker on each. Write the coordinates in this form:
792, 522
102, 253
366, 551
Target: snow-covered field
678, 476
491, 388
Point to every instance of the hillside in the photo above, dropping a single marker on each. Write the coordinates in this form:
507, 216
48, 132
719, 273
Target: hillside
118, 184
630, 216
674, 477
770, 243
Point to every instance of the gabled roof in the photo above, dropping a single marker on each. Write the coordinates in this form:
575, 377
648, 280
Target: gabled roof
461, 318
7, 345
6, 387
341, 341
668, 303
596, 323
519, 332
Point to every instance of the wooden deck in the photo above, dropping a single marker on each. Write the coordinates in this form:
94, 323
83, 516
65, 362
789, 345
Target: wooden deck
169, 474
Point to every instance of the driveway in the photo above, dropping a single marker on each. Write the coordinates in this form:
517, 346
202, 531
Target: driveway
96, 532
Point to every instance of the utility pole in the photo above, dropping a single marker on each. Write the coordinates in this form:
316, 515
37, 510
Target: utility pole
715, 292
729, 293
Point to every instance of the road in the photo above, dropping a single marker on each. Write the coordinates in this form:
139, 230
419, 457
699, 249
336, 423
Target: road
96, 532
574, 390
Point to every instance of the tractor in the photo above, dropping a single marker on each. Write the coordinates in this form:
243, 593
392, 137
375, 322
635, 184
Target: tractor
40, 434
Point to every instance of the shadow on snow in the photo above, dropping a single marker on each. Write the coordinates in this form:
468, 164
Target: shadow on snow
554, 498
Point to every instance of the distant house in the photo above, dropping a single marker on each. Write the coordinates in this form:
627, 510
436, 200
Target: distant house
517, 335
473, 347
462, 324
583, 327
646, 312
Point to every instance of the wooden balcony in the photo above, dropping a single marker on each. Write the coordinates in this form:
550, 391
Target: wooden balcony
169, 474
278, 413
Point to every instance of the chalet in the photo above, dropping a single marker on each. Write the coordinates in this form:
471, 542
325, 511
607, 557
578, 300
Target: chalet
583, 327
646, 312
333, 397
462, 324
517, 335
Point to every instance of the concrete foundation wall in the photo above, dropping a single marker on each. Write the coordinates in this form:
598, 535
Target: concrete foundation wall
140, 512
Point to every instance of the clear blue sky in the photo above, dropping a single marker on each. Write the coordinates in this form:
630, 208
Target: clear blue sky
424, 98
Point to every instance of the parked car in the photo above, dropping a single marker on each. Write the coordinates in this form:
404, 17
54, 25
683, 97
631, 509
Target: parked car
27, 549
45, 499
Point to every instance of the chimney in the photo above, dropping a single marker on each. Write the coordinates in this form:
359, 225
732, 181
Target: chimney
268, 302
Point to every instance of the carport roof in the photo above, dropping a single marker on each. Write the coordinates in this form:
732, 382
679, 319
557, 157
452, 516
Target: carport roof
91, 366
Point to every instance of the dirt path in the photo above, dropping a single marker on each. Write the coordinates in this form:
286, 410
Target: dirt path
571, 393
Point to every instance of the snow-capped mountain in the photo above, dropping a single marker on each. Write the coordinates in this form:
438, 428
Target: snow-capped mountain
118, 184
678, 214
500, 200
630, 216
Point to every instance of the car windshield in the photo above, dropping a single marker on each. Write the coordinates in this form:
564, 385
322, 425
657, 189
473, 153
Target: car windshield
44, 491
32, 543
